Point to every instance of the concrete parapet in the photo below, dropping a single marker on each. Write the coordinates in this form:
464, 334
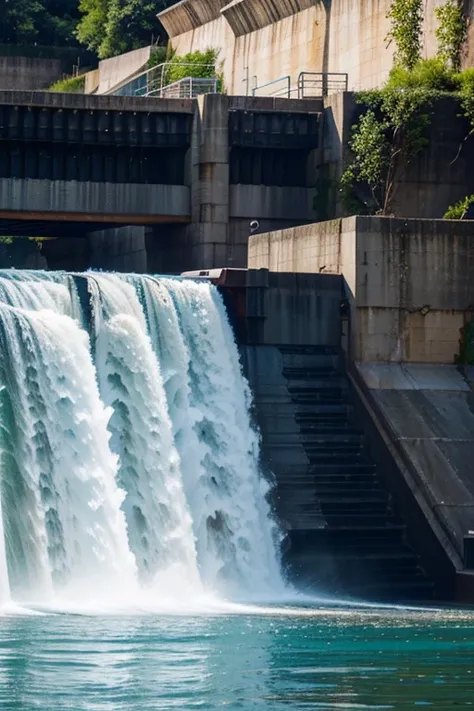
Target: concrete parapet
95, 102
409, 281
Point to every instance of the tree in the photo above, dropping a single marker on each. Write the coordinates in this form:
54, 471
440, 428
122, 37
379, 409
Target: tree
111, 27
44, 22
20, 20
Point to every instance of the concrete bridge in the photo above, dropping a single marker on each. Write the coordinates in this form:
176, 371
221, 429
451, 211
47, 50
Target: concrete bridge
155, 183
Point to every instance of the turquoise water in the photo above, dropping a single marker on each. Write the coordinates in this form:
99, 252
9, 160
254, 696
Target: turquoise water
312, 659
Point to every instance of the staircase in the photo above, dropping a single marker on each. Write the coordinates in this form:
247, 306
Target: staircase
345, 536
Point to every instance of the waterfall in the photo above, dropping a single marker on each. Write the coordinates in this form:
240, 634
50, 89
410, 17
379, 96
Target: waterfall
128, 461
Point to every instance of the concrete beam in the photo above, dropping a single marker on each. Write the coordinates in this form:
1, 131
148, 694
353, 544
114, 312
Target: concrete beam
95, 102
96, 202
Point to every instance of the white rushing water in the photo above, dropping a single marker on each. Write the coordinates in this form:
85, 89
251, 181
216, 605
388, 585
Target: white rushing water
128, 462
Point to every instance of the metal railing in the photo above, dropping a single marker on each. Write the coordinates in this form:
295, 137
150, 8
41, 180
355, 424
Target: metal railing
153, 81
283, 89
310, 85
314, 85
188, 88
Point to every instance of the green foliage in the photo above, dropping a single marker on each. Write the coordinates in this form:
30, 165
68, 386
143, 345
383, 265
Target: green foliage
406, 19
390, 132
46, 22
451, 33
195, 64
71, 85
160, 55
465, 81
459, 209
370, 146
429, 74
111, 27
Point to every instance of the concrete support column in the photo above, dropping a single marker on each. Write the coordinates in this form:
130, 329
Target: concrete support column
208, 235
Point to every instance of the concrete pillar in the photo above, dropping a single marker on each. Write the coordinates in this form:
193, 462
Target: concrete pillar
208, 235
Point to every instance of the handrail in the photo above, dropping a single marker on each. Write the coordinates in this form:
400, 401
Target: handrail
324, 81
193, 83
154, 70
287, 79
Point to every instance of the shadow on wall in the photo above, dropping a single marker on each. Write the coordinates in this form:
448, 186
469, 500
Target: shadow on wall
21, 253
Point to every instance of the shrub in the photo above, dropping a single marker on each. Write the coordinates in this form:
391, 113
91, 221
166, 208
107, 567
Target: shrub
194, 64
72, 85
429, 74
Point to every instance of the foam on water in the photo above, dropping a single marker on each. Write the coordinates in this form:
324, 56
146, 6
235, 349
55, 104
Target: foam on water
128, 462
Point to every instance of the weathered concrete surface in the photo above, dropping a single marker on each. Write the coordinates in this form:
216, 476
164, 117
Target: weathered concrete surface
94, 102
429, 414
27, 73
409, 281
114, 70
126, 202
262, 40
121, 250
270, 201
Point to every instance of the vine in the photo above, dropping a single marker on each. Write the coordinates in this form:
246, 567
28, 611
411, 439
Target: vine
406, 19
451, 33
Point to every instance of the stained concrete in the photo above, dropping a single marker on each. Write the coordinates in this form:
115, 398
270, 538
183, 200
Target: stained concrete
29, 73
124, 201
261, 40
409, 282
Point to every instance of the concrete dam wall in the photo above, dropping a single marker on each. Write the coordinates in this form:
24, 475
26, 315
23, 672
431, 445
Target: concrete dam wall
409, 288
260, 41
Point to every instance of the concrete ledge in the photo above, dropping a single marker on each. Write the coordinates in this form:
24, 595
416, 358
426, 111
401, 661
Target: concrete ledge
95, 102
260, 201
189, 14
116, 199
245, 16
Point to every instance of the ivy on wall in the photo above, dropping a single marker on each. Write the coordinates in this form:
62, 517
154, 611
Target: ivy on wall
406, 19
451, 33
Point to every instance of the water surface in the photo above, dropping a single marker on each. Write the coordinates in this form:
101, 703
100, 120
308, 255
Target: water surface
326, 658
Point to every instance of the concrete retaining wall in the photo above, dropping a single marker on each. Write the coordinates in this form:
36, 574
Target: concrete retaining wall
262, 40
27, 73
114, 70
409, 281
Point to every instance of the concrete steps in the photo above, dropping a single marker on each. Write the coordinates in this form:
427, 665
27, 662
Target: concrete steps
343, 533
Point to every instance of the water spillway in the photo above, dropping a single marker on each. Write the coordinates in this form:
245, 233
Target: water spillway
128, 460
